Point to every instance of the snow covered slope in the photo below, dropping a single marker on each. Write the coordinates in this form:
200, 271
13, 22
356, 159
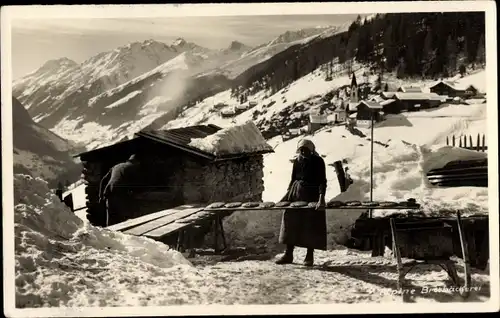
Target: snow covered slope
40, 152
275, 46
63, 83
124, 110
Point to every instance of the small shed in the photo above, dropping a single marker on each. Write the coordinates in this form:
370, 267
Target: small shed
446, 88
219, 105
339, 114
410, 89
390, 106
228, 112
417, 101
182, 166
316, 121
366, 109
388, 95
470, 92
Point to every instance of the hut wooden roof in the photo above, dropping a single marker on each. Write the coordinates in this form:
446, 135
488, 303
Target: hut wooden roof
178, 138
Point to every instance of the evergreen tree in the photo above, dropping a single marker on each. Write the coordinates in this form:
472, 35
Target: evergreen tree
386, 87
401, 68
390, 50
451, 48
481, 53
428, 55
352, 45
462, 69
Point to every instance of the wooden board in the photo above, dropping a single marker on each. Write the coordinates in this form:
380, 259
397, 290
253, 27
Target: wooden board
149, 226
148, 217
167, 229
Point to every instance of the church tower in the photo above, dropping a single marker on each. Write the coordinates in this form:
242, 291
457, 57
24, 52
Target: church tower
354, 90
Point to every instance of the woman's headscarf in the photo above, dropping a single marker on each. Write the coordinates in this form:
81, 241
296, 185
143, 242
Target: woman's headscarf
307, 144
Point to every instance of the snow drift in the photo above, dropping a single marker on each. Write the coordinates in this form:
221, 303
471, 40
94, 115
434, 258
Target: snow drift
245, 138
400, 173
60, 261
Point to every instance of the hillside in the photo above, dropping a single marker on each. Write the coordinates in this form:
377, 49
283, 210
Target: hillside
39, 152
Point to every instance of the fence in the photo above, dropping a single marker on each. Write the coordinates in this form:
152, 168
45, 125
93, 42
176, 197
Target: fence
466, 142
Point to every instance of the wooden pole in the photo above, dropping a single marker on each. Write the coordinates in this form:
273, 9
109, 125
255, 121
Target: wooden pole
371, 163
339, 169
453, 141
484, 143
447, 141
471, 143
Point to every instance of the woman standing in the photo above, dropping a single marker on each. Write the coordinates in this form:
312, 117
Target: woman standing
305, 227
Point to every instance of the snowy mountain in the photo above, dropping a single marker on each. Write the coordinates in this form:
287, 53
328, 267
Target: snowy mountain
39, 152
62, 83
114, 94
265, 51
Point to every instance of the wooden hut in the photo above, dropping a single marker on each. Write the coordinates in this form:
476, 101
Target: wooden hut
316, 121
417, 101
364, 113
445, 88
410, 89
174, 172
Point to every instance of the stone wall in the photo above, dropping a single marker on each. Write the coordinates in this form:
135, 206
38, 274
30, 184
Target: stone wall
231, 180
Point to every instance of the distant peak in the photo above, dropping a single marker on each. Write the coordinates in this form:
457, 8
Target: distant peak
58, 63
179, 42
236, 45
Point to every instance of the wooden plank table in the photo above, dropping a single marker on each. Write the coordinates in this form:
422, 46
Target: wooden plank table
149, 226
147, 218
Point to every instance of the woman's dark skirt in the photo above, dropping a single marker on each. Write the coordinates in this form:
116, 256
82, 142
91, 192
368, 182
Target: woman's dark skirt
303, 227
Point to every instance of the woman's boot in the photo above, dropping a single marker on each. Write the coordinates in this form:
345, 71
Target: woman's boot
309, 260
287, 258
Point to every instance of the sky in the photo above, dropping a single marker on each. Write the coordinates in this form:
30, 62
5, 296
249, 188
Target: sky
36, 41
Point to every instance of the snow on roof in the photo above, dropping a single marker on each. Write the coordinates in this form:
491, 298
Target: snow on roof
245, 138
417, 96
377, 98
317, 119
371, 104
387, 102
388, 94
228, 111
411, 89
454, 85
353, 105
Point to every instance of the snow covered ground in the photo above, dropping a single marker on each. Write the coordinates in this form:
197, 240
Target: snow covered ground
60, 261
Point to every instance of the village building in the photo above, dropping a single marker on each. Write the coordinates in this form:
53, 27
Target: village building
354, 96
451, 89
388, 95
410, 89
316, 122
417, 101
228, 112
339, 114
219, 106
365, 111
197, 164
242, 107
389, 106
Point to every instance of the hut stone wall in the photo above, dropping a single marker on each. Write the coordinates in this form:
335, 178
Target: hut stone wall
230, 180
178, 179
